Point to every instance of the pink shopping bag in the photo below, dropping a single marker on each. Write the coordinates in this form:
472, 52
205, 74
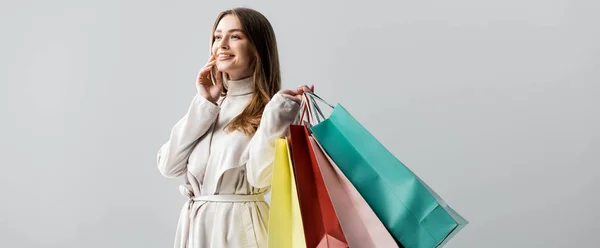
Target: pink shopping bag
362, 227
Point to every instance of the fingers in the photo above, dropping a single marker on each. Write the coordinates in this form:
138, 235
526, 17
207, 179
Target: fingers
207, 67
290, 96
296, 95
212, 57
204, 73
304, 88
210, 64
289, 92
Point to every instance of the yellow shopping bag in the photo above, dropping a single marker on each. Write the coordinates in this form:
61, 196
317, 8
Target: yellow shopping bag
285, 221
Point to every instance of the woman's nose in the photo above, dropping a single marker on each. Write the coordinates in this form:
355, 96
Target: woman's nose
224, 43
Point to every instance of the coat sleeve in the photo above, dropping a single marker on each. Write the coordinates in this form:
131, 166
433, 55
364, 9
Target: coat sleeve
173, 155
279, 113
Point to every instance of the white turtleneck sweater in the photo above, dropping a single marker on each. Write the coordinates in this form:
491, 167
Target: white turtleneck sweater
217, 162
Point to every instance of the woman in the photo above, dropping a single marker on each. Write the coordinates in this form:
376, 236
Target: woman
225, 144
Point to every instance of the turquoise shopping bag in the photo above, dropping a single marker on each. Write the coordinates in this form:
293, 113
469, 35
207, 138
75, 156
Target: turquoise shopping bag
412, 212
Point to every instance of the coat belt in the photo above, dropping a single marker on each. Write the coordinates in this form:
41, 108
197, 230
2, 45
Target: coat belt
230, 198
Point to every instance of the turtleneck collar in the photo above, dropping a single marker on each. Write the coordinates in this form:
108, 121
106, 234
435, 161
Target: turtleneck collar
238, 87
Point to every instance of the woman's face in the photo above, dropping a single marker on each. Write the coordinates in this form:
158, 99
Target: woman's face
232, 48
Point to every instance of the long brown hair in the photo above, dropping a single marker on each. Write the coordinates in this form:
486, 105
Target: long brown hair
266, 75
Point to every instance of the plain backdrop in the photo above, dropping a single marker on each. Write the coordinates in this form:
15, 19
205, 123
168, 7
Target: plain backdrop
493, 103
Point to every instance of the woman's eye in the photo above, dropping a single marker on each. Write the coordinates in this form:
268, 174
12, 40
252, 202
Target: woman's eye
217, 37
235, 36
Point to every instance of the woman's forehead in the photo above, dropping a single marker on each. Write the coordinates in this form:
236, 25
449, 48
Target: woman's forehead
229, 23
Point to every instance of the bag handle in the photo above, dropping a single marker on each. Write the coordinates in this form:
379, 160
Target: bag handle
311, 108
313, 96
315, 109
306, 108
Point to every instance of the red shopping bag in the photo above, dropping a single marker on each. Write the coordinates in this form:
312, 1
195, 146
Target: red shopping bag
321, 225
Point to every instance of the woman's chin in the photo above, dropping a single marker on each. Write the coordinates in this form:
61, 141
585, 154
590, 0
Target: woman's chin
225, 69
221, 68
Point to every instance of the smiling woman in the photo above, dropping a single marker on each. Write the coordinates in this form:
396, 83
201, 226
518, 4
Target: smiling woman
231, 48
225, 144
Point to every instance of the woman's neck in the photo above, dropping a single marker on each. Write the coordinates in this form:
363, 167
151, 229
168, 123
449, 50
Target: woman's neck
239, 76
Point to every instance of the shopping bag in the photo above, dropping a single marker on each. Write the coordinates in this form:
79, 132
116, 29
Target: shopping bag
321, 225
360, 224
412, 212
285, 221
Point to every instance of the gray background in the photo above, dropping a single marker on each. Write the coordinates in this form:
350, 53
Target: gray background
493, 103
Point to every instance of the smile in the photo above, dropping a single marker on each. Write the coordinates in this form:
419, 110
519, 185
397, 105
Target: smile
223, 56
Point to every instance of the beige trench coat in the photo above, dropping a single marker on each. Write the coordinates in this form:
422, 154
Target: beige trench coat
226, 173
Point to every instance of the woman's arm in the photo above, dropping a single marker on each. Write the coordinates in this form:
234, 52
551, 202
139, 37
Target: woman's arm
173, 155
279, 113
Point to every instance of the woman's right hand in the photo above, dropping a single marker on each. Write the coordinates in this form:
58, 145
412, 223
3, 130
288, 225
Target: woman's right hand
204, 84
296, 95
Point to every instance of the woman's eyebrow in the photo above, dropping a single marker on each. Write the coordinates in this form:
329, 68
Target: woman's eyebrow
229, 31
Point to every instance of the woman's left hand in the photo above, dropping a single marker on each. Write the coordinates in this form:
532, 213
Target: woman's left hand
296, 95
